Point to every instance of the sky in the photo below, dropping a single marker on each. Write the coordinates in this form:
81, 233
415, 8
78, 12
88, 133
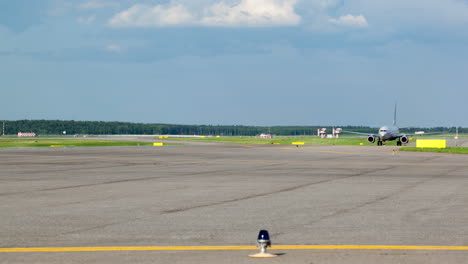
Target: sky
236, 62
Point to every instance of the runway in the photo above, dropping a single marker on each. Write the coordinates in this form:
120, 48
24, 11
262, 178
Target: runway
221, 195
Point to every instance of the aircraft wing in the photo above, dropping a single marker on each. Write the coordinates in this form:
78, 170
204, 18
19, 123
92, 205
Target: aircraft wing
359, 133
419, 134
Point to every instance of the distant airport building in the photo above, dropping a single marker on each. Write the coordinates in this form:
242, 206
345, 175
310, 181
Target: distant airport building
322, 132
20, 134
266, 136
336, 132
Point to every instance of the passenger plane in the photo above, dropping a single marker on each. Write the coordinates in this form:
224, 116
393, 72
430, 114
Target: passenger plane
386, 133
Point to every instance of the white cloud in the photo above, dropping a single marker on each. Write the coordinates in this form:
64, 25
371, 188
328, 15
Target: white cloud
114, 48
222, 13
350, 21
147, 16
86, 20
252, 13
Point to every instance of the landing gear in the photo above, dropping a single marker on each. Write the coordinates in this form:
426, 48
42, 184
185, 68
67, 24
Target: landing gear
398, 143
379, 143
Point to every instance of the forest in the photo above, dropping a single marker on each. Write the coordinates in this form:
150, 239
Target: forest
70, 127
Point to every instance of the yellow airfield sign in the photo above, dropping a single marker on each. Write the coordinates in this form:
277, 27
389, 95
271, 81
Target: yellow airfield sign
297, 143
431, 143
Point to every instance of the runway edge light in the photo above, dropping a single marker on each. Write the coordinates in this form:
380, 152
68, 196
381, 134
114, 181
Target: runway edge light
263, 241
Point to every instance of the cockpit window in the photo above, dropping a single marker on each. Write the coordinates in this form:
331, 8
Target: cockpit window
383, 130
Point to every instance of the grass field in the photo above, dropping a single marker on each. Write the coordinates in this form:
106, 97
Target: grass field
7, 142
283, 140
455, 150
444, 136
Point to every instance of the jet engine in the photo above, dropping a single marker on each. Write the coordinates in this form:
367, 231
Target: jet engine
371, 139
404, 139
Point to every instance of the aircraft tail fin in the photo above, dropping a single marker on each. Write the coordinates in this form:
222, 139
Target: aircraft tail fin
394, 114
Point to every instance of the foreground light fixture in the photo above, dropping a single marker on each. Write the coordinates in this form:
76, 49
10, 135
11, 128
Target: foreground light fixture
263, 241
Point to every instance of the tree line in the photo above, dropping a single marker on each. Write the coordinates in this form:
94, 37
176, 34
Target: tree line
57, 127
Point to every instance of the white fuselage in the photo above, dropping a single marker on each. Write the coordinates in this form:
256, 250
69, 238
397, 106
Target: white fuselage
388, 132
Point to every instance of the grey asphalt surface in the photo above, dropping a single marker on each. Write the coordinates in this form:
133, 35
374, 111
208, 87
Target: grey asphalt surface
220, 194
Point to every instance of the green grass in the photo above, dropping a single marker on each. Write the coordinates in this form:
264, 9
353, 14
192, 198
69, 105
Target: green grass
283, 140
444, 136
455, 150
4, 143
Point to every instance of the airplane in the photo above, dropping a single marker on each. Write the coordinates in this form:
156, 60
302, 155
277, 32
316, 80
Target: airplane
386, 133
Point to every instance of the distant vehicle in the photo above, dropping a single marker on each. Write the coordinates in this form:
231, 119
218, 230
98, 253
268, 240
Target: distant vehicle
387, 133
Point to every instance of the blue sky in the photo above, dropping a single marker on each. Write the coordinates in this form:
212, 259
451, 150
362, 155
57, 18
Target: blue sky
236, 62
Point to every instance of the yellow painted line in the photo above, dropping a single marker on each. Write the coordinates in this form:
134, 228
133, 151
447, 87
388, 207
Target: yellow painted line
208, 248
144, 248
328, 151
370, 247
140, 161
339, 152
405, 163
255, 146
